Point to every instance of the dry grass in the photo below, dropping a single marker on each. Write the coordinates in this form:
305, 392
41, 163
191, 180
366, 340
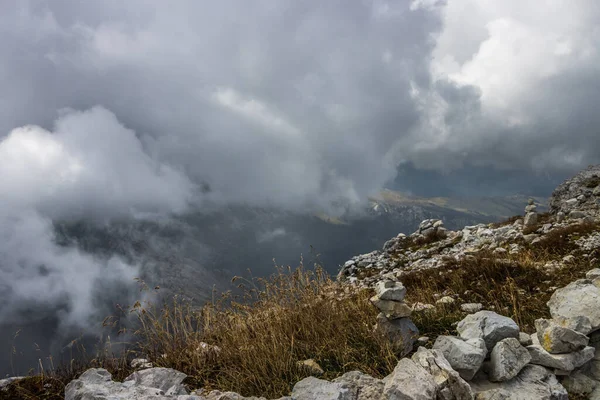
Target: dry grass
292, 316
514, 285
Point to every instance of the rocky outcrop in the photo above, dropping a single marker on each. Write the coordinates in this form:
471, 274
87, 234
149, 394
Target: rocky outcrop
579, 196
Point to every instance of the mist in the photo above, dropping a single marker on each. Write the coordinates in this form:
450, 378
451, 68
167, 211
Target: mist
145, 119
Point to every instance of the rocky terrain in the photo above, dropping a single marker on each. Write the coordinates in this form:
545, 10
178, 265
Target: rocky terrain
488, 357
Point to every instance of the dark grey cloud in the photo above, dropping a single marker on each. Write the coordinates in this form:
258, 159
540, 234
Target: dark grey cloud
136, 108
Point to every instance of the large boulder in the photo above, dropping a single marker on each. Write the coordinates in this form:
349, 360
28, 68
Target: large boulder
489, 326
449, 383
507, 360
154, 383
557, 339
409, 381
579, 298
313, 388
465, 356
534, 382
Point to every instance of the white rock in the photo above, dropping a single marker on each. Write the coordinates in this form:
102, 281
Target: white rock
533, 383
471, 307
388, 290
579, 298
449, 383
445, 300
140, 363
593, 274
155, 383
507, 360
409, 381
391, 309
566, 362
489, 326
313, 388
557, 339
366, 387
465, 356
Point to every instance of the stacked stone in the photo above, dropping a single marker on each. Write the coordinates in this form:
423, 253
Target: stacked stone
531, 216
393, 320
431, 227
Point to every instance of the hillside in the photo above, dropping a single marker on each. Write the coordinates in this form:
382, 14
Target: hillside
506, 310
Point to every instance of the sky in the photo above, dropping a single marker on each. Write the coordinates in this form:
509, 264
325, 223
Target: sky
143, 108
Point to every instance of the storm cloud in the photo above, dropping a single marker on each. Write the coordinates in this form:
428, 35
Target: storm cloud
139, 109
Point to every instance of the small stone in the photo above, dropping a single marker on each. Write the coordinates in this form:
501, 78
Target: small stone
507, 360
140, 363
560, 217
531, 218
471, 307
576, 214
569, 259
422, 307
593, 274
391, 309
423, 340
445, 300
311, 366
388, 290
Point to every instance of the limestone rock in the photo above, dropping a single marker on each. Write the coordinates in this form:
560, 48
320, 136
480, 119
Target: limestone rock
391, 309
409, 381
140, 363
593, 274
313, 388
402, 333
471, 307
507, 360
449, 383
578, 383
532, 383
556, 339
489, 326
465, 356
445, 300
365, 386
155, 383
388, 290
579, 298
565, 362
